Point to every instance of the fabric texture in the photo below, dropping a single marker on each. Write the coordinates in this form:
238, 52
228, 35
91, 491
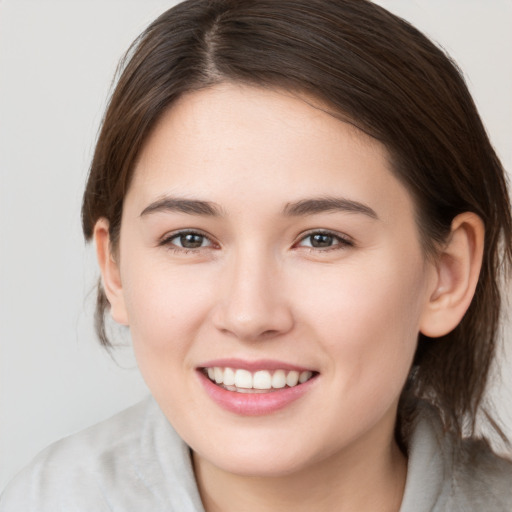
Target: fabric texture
135, 461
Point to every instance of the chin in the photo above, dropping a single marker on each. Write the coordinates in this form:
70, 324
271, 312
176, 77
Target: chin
258, 464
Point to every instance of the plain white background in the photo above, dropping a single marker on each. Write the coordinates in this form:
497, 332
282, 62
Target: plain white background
57, 60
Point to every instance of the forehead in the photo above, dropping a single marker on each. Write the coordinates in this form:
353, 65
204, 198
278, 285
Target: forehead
232, 140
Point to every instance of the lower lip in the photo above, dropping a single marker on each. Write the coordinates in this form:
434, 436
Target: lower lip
254, 404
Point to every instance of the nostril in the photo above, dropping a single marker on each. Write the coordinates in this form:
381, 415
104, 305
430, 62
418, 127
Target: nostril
269, 333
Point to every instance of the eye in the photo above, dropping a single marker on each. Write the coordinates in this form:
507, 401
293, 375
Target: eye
324, 240
187, 240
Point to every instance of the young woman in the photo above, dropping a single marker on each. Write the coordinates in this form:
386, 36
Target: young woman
299, 215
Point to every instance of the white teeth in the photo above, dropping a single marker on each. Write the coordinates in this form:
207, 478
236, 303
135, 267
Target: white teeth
229, 376
304, 376
279, 379
218, 375
245, 381
262, 380
292, 378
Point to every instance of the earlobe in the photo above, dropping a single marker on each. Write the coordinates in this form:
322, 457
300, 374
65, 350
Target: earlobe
110, 274
457, 271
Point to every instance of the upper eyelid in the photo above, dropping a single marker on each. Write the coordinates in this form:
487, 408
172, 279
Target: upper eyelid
341, 236
173, 234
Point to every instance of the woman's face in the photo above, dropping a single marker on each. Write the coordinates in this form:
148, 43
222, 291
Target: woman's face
262, 235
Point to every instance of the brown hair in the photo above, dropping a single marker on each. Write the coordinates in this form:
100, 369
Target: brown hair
374, 70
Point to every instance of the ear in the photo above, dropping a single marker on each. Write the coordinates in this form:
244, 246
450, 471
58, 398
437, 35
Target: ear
457, 270
111, 277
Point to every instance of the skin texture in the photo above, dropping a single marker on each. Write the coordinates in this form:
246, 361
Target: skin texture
257, 289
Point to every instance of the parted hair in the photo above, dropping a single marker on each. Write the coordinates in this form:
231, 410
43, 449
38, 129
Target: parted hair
373, 70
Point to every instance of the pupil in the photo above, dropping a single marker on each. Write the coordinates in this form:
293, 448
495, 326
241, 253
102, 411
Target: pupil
321, 240
191, 240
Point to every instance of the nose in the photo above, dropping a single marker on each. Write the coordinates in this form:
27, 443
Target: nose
253, 302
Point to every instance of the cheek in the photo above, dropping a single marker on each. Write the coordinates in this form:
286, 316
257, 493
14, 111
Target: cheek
166, 311
368, 317
165, 305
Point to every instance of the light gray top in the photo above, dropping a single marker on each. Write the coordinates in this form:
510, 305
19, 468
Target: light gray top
135, 461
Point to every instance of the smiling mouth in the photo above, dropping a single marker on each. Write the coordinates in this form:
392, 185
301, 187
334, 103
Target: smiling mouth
262, 381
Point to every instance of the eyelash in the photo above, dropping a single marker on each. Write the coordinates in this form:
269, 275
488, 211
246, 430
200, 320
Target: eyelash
342, 241
167, 241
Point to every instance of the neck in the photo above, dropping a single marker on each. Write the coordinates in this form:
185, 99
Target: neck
360, 481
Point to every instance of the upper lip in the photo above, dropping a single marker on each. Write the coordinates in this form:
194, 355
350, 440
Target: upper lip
252, 366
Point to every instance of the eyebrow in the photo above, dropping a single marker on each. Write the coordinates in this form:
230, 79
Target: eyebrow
299, 208
327, 204
188, 206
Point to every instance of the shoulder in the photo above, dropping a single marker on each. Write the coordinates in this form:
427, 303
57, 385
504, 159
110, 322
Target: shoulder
109, 466
444, 474
481, 479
